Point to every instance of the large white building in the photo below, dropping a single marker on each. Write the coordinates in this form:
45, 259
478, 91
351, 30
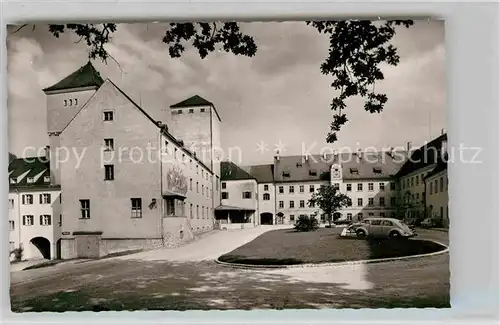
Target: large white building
34, 209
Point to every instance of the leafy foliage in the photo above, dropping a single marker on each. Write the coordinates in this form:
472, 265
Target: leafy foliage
329, 200
358, 48
306, 223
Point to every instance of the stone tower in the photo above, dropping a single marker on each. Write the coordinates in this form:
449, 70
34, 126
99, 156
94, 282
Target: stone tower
64, 100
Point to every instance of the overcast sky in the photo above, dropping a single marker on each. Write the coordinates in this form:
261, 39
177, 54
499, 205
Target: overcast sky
279, 94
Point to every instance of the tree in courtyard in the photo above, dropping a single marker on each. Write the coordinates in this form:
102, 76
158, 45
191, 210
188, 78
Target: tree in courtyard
329, 200
358, 48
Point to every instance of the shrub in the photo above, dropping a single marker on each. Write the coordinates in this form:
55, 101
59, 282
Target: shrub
18, 254
305, 223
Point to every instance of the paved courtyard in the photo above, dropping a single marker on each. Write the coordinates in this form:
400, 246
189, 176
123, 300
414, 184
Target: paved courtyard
188, 278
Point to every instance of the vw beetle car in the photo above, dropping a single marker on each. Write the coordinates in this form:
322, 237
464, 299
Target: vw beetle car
381, 227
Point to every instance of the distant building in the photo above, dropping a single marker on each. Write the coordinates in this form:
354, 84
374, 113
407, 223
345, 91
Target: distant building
127, 181
34, 209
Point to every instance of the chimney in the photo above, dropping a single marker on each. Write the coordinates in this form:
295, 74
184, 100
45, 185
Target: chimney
408, 146
443, 131
277, 157
444, 148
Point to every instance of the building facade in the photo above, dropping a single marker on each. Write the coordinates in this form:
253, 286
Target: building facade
34, 210
127, 182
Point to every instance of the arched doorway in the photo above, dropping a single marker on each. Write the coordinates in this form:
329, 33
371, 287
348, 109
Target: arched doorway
266, 218
58, 249
42, 245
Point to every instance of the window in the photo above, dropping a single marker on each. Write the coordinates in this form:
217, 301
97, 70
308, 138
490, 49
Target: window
190, 184
354, 171
197, 187
360, 216
301, 188
385, 222
281, 204
266, 197
191, 210
360, 202
393, 186
281, 190
423, 196
417, 180
311, 188
202, 189
370, 201
11, 203
381, 201
403, 185
85, 209
108, 115
312, 205
377, 170
441, 214
360, 186
376, 222
302, 203
430, 188
336, 186
291, 189
223, 185
292, 217
197, 171
191, 111
349, 202
370, 214
436, 186
198, 212
393, 201
11, 225
349, 216
109, 172
28, 220
179, 111
45, 220
348, 187
202, 110
217, 184
108, 145
225, 195
381, 186
411, 182
27, 199
292, 204
266, 187
136, 207
45, 198
202, 173
30, 180
441, 184
247, 195
370, 186
60, 220
413, 197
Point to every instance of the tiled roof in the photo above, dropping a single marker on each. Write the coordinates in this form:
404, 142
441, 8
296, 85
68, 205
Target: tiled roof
86, 76
232, 172
192, 101
426, 155
440, 166
368, 165
21, 169
263, 173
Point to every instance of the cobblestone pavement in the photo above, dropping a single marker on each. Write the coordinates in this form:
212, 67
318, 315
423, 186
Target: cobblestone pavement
135, 283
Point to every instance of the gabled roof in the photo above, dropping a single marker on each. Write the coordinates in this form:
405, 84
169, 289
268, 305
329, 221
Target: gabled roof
86, 76
232, 172
262, 173
192, 102
23, 168
442, 165
426, 155
367, 165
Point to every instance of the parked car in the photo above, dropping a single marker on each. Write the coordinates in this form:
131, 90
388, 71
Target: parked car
427, 223
381, 227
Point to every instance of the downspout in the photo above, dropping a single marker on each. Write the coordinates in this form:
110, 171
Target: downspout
161, 189
19, 221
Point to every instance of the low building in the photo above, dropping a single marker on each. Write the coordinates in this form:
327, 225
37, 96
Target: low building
239, 198
34, 209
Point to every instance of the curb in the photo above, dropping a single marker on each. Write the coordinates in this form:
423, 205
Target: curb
334, 264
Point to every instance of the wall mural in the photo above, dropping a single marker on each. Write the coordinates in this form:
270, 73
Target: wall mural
176, 181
